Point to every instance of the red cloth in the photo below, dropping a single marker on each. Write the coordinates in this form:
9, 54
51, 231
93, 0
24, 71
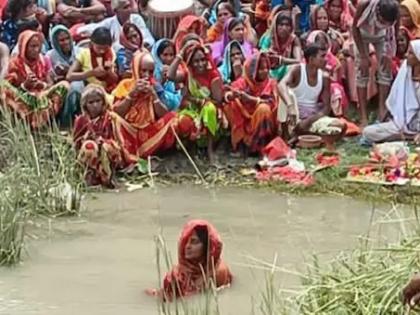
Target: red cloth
286, 174
327, 160
20, 67
187, 277
276, 149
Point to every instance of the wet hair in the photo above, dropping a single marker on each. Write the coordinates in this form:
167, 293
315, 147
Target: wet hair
203, 236
165, 44
282, 18
101, 36
234, 22
16, 6
312, 51
389, 10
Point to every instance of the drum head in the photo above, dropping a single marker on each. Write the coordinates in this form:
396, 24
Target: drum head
170, 6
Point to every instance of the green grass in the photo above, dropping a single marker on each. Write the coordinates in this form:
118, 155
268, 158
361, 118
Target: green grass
39, 177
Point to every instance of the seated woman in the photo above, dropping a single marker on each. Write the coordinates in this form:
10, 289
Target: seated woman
234, 30
283, 43
410, 17
212, 16
224, 11
203, 92
141, 105
339, 16
98, 139
199, 265
232, 64
252, 106
28, 87
163, 53
131, 40
62, 56
320, 21
338, 100
96, 63
403, 103
188, 24
72, 12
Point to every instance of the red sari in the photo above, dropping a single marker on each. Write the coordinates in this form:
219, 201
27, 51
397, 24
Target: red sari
39, 104
187, 278
153, 133
101, 147
184, 28
255, 126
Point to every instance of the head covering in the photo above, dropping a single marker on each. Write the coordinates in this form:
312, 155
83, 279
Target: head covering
57, 54
346, 19
38, 66
189, 277
156, 57
124, 40
183, 29
314, 16
206, 79
413, 7
137, 63
403, 102
92, 89
225, 68
218, 48
236, 5
284, 49
250, 73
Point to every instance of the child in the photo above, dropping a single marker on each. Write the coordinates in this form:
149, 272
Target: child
96, 63
375, 23
99, 140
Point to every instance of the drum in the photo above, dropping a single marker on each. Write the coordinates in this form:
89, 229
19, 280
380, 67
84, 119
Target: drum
164, 16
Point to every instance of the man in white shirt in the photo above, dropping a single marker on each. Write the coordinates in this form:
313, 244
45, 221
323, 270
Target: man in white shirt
123, 13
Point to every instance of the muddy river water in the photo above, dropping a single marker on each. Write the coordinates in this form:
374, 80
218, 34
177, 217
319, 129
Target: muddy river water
100, 263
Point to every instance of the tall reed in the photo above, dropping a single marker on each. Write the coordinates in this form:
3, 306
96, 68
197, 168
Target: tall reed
39, 176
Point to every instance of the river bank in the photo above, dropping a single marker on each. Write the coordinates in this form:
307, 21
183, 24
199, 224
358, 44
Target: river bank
174, 168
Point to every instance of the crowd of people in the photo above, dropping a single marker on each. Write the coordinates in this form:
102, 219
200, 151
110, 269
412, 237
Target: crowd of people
250, 70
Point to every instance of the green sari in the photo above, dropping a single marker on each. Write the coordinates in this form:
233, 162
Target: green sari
205, 115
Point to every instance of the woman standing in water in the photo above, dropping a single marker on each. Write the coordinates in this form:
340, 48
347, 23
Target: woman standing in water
199, 261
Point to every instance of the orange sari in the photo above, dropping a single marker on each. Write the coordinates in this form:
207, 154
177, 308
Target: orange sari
254, 125
188, 278
39, 104
153, 133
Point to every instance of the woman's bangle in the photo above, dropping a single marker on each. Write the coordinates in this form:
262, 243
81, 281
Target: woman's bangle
179, 57
280, 60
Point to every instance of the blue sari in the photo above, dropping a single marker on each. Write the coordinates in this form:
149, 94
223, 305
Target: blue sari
225, 68
71, 106
169, 95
